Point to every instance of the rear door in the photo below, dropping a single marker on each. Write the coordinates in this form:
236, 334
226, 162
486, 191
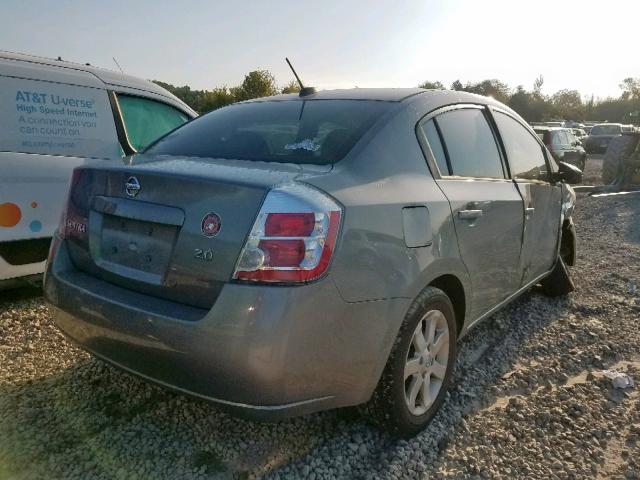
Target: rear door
51, 119
486, 206
542, 200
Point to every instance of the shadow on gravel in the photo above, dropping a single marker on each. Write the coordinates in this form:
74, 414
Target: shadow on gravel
91, 420
17, 294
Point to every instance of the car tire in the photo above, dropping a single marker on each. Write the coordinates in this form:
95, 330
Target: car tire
558, 283
431, 314
618, 148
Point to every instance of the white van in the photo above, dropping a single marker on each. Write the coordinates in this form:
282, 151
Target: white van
54, 116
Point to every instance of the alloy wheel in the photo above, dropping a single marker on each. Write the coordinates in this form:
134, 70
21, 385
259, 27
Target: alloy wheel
426, 363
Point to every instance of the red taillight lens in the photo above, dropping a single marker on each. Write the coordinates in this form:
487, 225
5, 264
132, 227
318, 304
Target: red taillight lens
291, 247
289, 224
282, 253
70, 222
62, 226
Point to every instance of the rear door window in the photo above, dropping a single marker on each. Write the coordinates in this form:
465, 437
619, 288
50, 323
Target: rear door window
470, 144
524, 153
293, 131
146, 120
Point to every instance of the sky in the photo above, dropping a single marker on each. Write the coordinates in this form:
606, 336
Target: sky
584, 45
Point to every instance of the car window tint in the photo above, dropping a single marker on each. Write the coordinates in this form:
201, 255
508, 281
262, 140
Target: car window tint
524, 153
606, 130
318, 132
433, 139
147, 120
470, 143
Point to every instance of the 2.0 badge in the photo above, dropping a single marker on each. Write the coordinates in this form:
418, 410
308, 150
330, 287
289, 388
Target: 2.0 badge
211, 224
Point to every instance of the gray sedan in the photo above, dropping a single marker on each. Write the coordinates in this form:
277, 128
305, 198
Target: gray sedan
304, 252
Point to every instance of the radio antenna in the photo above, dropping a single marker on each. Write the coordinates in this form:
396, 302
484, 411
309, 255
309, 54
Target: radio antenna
303, 90
116, 62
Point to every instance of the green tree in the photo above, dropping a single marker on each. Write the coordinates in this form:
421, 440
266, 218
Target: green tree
432, 85
457, 85
291, 87
490, 88
256, 84
630, 88
568, 104
217, 98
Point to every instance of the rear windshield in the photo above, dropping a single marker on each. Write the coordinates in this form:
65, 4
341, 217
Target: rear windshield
311, 131
605, 130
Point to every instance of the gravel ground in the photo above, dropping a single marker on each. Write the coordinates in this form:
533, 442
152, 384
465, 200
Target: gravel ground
529, 399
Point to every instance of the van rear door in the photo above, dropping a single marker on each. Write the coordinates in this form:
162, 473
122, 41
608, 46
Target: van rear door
49, 118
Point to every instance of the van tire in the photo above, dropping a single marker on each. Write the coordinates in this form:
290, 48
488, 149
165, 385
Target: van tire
387, 407
558, 283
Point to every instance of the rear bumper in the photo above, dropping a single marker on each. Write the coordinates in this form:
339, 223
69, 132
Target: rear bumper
264, 351
597, 145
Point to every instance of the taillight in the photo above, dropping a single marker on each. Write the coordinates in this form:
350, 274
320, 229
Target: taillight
293, 238
70, 222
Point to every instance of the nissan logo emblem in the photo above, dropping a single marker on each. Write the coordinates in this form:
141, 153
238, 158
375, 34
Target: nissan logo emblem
132, 187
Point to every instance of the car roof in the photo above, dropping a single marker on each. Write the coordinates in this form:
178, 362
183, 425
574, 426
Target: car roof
379, 94
108, 77
603, 124
549, 128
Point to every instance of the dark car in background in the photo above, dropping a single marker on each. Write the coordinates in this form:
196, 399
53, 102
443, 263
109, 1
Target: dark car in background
563, 145
600, 136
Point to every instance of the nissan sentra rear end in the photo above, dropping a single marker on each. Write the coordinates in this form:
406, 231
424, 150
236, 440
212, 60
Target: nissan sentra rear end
204, 264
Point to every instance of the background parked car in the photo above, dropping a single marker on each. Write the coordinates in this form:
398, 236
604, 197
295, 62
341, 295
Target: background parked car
580, 135
600, 136
54, 116
563, 145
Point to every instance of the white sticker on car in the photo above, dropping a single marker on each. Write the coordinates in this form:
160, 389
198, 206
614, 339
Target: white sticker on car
306, 144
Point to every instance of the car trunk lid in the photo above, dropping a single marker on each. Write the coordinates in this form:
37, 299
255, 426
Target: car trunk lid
171, 228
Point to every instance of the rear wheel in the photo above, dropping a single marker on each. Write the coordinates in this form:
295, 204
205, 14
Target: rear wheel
419, 369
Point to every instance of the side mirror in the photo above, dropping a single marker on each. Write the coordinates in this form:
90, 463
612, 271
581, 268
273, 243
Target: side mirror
568, 173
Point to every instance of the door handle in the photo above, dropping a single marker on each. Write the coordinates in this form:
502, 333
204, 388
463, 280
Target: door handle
469, 214
529, 211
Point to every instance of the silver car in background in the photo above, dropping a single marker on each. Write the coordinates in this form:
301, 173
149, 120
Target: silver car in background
298, 253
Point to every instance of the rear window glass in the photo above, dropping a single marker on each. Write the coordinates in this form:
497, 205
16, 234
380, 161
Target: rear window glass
605, 130
311, 131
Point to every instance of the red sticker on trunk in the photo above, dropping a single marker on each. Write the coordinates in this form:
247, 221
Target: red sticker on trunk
211, 224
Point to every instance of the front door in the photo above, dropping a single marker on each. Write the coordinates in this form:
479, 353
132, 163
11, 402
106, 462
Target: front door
487, 207
542, 200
